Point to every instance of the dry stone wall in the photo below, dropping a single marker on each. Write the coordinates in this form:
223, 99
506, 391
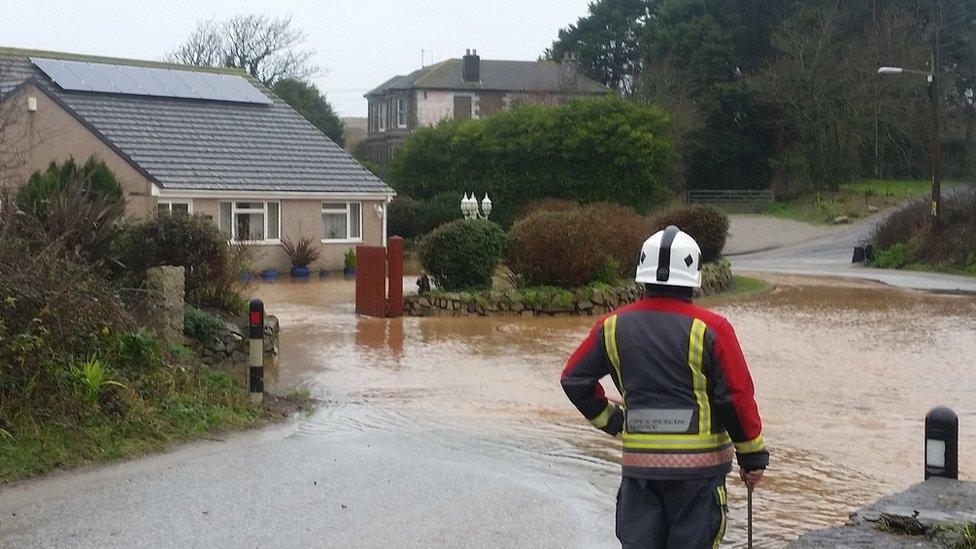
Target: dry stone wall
590, 301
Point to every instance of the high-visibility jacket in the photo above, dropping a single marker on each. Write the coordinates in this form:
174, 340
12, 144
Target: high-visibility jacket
688, 396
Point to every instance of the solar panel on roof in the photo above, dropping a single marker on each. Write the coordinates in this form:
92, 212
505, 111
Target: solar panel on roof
60, 74
151, 81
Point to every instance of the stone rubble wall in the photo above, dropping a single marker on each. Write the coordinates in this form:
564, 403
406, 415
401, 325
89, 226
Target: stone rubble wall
162, 310
233, 345
716, 277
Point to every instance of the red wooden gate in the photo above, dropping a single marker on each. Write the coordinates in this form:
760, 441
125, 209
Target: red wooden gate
374, 265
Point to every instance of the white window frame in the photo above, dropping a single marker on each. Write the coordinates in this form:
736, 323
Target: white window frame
401, 112
343, 207
170, 201
382, 118
234, 210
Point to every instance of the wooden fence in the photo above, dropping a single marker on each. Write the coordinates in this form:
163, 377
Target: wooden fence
728, 196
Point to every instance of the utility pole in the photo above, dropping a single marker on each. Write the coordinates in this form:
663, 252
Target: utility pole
936, 125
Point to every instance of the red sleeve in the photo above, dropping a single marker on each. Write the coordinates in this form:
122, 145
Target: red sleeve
581, 382
739, 381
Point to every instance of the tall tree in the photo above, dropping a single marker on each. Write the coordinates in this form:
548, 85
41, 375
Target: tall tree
605, 41
267, 48
696, 54
312, 104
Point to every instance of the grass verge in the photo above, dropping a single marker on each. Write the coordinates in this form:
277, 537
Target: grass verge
854, 200
206, 402
741, 287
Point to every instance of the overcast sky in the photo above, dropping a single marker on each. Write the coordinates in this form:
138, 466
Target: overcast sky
358, 43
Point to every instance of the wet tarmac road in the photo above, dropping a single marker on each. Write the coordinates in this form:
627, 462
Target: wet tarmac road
454, 432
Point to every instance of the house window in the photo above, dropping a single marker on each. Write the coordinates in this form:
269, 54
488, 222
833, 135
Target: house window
382, 117
175, 206
250, 221
401, 112
342, 222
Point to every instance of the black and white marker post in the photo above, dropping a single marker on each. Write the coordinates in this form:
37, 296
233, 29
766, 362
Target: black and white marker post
256, 334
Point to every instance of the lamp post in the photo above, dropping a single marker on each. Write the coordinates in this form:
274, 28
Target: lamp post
933, 80
470, 209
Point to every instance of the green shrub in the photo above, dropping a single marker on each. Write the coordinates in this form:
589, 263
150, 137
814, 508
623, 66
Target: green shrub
706, 224
546, 205
889, 258
350, 259
569, 248
950, 246
212, 265
588, 150
34, 197
202, 326
77, 207
403, 218
463, 254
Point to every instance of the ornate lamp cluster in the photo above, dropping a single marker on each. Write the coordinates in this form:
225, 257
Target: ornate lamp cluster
469, 207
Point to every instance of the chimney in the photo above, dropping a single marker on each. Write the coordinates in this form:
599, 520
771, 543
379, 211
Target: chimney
569, 71
471, 67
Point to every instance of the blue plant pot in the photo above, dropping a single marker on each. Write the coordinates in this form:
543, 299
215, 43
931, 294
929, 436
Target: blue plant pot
349, 272
300, 272
269, 274
246, 277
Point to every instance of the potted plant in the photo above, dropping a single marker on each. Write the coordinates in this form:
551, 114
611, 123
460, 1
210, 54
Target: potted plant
301, 254
349, 270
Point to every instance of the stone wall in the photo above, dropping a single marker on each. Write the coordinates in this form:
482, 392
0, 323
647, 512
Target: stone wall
162, 310
232, 346
589, 301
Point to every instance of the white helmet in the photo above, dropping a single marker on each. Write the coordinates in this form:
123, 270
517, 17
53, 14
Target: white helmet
671, 258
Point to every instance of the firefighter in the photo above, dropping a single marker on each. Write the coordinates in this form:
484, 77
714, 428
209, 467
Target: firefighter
687, 402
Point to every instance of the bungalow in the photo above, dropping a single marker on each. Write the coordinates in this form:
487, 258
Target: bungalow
188, 139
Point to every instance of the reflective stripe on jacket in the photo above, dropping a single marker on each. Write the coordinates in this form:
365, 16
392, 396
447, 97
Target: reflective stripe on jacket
686, 389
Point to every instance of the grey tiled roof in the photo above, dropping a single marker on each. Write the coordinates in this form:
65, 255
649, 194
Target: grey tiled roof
526, 76
190, 144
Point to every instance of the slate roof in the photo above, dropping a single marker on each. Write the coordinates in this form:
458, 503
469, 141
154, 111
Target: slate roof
524, 76
189, 144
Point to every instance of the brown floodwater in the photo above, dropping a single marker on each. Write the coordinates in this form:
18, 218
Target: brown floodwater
844, 375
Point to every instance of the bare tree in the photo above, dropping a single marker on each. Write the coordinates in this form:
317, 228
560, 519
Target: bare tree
204, 47
267, 48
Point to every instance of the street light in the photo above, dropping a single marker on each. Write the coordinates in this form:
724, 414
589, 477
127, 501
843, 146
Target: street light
931, 75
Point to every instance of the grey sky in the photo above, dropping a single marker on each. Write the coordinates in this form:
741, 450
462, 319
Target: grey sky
358, 43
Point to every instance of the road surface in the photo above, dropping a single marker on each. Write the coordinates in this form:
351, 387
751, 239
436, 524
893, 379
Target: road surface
830, 255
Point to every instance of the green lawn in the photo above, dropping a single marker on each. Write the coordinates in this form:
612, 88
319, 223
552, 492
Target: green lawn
742, 286
855, 200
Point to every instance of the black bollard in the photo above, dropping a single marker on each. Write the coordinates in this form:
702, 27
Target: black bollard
256, 335
941, 443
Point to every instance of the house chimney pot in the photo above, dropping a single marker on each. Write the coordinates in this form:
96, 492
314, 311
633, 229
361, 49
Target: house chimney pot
471, 67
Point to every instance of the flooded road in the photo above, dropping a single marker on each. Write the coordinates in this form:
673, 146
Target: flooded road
844, 376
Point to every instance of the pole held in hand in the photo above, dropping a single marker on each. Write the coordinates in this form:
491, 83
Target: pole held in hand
749, 488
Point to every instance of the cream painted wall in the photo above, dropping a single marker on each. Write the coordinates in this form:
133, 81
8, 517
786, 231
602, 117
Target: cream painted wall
302, 218
56, 135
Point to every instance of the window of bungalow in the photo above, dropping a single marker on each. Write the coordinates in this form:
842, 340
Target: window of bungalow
342, 222
175, 206
382, 116
251, 222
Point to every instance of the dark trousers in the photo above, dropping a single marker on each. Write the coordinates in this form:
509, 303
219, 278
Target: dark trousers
673, 514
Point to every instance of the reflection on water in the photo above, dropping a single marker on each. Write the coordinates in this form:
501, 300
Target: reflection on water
844, 377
